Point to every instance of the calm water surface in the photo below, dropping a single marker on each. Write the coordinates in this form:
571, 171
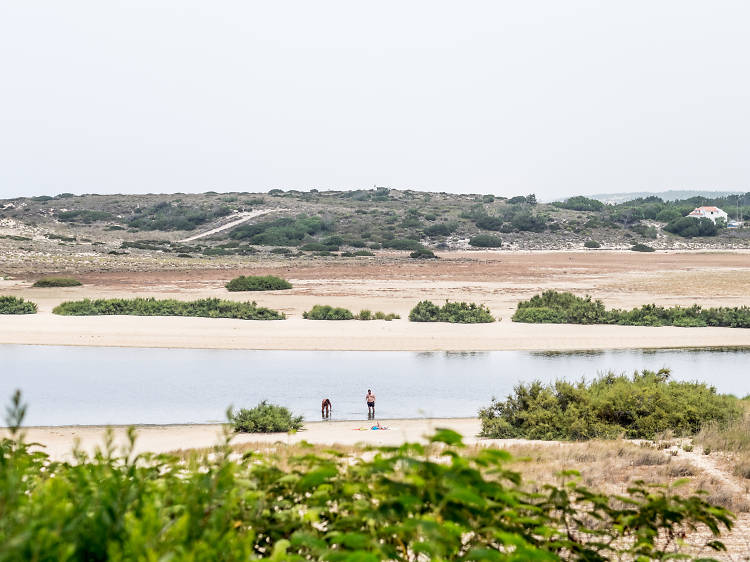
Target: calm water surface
99, 385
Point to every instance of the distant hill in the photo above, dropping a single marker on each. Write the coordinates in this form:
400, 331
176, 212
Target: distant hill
670, 195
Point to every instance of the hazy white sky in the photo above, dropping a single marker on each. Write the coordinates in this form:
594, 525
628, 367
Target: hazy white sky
550, 97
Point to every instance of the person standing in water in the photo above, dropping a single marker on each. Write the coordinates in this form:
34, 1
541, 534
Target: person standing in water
370, 399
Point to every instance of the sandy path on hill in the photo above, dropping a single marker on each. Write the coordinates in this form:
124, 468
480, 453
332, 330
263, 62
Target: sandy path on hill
244, 217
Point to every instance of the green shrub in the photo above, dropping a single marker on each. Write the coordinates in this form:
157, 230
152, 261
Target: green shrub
423, 254
592, 244
258, 283
485, 241
167, 216
282, 251
365, 314
205, 308
285, 231
487, 222
641, 248
440, 229
57, 282
16, 305
638, 407
403, 244
688, 227
433, 502
326, 312
580, 203
552, 307
265, 418
454, 312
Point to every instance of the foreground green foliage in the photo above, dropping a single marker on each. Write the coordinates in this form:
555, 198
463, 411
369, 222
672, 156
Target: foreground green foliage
405, 503
454, 312
641, 248
552, 307
207, 308
258, 283
638, 407
265, 418
327, 312
16, 305
57, 282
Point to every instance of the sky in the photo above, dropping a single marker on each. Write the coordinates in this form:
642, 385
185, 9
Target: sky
547, 97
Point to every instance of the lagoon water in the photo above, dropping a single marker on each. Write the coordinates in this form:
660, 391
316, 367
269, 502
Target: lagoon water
99, 385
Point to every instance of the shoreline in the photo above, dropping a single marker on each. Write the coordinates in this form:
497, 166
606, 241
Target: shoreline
398, 335
59, 441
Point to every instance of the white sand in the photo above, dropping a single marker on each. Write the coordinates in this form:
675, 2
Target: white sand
398, 335
59, 441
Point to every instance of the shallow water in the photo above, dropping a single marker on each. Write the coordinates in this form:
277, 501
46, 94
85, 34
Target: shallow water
99, 385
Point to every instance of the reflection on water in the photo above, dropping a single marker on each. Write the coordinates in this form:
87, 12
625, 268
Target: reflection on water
96, 385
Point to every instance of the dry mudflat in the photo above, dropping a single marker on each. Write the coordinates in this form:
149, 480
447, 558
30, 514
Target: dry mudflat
391, 283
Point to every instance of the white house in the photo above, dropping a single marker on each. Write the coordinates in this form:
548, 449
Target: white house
712, 213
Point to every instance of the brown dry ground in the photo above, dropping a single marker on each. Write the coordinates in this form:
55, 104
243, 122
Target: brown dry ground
389, 283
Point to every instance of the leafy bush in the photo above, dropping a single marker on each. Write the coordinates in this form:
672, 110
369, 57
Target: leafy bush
436, 502
16, 305
167, 216
440, 229
638, 407
258, 283
485, 241
580, 203
57, 282
326, 312
365, 314
688, 227
641, 248
285, 231
265, 418
552, 307
424, 254
206, 308
403, 244
283, 251
592, 244
454, 312
487, 222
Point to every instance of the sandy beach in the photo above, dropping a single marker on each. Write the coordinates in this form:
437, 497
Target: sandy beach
389, 284
59, 442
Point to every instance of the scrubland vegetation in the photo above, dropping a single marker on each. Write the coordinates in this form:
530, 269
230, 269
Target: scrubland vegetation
454, 312
206, 308
327, 312
366, 314
265, 418
437, 502
57, 282
16, 305
258, 283
640, 406
382, 218
552, 307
